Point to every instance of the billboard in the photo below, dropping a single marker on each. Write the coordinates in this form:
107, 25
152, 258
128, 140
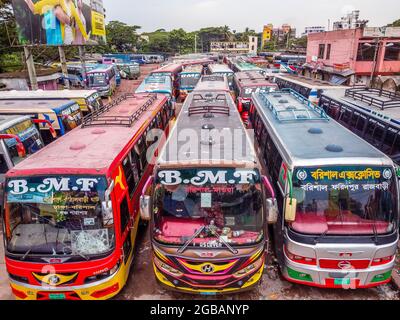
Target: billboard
391, 32
60, 22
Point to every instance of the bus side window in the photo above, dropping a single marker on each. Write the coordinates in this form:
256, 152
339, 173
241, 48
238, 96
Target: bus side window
159, 121
141, 152
3, 165
129, 175
124, 214
165, 117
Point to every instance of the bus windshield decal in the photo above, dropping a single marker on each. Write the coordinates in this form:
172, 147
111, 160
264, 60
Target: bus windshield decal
23, 130
366, 174
198, 178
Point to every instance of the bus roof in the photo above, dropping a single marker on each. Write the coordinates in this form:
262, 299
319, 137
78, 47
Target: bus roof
46, 94
169, 68
212, 83
94, 147
245, 66
306, 136
307, 83
156, 84
256, 83
248, 75
193, 68
101, 68
34, 106
193, 116
219, 68
9, 121
379, 102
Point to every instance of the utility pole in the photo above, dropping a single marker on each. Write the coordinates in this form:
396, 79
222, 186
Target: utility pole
31, 68
82, 58
64, 66
377, 45
195, 43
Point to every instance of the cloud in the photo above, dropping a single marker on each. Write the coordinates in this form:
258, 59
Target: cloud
207, 4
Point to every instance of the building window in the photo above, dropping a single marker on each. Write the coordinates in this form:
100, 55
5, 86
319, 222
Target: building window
321, 51
366, 52
392, 52
328, 51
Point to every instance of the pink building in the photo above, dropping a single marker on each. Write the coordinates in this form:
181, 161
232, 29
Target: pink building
349, 56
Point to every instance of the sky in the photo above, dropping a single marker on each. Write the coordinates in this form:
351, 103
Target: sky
239, 14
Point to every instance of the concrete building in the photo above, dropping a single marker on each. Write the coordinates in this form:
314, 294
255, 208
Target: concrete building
267, 34
314, 29
230, 47
350, 21
353, 56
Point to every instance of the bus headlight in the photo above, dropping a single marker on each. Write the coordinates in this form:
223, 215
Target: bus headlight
167, 268
249, 269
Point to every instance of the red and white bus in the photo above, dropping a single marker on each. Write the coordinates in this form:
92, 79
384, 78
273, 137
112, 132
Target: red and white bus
247, 83
72, 209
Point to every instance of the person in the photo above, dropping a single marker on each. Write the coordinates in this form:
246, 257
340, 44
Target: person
57, 22
79, 37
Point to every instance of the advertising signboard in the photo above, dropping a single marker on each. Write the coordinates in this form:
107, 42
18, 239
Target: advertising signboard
60, 22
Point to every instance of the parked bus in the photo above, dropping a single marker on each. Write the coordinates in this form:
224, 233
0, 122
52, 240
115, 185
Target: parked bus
209, 83
188, 80
129, 71
19, 138
88, 100
172, 70
337, 196
76, 75
62, 115
71, 210
372, 114
157, 84
245, 86
102, 79
222, 69
208, 219
245, 66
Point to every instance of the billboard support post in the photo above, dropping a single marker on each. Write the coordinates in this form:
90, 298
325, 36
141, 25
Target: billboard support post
83, 63
31, 68
64, 69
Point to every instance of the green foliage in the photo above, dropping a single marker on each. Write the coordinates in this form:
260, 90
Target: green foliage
395, 24
121, 37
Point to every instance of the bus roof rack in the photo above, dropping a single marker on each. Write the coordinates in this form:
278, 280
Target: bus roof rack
380, 98
209, 103
100, 117
303, 110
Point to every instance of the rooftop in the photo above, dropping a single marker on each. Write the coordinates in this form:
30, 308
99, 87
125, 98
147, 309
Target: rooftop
46, 94
212, 83
92, 148
379, 102
9, 121
34, 106
156, 84
309, 136
209, 115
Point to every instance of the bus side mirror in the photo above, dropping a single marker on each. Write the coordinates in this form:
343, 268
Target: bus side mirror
107, 203
290, 209
272, 204
145, 207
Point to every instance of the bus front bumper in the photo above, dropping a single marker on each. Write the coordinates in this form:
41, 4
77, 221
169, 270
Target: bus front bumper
177, 284
101, 290
337, 279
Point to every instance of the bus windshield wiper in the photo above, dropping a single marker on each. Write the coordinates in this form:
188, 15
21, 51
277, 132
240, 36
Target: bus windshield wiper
26, 254
194, 236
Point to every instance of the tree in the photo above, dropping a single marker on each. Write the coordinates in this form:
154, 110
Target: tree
122, 37
395, 24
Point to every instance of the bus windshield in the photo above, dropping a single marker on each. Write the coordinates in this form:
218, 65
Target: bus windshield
345, 201
190, 199
189, 80
71, 117
97, 79
30, 137
58, 216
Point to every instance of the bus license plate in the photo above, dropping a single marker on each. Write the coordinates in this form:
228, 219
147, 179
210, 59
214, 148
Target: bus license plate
344, 281
208, 293
57, 296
